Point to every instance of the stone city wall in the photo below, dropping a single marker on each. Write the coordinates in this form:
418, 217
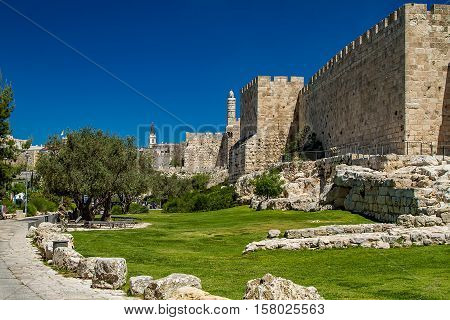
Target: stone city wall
386, 86
201, 153
166, 156
427, 60
267, 109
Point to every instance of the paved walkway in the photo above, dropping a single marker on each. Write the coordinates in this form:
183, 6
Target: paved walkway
23, 275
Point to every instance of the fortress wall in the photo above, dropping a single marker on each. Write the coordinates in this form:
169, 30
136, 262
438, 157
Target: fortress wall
229, 138
359, 95
427, 60
165, 155
249, 108
388, 85
267, 111
201, 153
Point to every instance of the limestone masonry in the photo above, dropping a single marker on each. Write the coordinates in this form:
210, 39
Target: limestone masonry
389, 85
388, 88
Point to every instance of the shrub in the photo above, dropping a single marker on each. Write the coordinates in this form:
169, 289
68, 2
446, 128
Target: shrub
268, 185
215, 198
31, 210
137, 208
10, 206
42, 204
116, 210
200, 181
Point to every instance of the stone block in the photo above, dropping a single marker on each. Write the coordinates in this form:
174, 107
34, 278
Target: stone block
163, 289
109, 273
274, 288
139, 284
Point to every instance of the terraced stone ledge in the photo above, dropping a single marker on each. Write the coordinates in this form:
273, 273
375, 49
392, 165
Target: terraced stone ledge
338, 229
392, 237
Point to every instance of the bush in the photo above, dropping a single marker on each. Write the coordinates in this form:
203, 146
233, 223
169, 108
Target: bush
10, 206
268, 185
200, 181
42, 204
215, 198
31, 210
137, 208
116, 209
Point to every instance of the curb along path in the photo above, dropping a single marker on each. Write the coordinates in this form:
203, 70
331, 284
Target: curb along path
23, 275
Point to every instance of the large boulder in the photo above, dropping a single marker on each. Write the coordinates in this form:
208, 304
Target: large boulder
275, 288
162, 289
273, 233
66, 258
109, 273
86, 268
31, 232
192, 293
139, 284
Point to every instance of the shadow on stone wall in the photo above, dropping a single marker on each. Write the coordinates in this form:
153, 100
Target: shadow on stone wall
444, 131
293, 129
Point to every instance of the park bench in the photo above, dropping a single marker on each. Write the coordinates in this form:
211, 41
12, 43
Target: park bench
115, 218
109, 224
76, 223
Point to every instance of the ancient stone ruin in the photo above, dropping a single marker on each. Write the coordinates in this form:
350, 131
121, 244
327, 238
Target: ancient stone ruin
385, 92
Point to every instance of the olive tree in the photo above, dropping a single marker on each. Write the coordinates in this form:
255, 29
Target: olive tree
90, 167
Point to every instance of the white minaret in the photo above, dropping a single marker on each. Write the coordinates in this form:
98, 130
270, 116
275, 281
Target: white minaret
152, 137
231, 108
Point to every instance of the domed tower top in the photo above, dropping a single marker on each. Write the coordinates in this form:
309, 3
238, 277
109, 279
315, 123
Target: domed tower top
231, 108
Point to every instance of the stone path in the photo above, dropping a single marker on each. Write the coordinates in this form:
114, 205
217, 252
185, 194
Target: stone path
23, 275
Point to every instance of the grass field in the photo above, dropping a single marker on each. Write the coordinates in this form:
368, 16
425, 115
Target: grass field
209, 246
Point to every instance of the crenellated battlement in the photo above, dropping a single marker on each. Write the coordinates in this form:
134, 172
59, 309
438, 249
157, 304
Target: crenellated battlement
385, 26
388, 84
191, 136
266, 80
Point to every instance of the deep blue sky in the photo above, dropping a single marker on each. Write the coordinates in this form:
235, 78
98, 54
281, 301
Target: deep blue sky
185, 55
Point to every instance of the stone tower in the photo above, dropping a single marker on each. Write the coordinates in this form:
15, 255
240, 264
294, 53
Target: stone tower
231, 108
152, 137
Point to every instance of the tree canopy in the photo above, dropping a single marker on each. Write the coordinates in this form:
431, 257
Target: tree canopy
91, 167
268, 185
8, 151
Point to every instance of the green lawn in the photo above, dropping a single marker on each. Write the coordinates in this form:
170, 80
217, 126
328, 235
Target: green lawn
209, 245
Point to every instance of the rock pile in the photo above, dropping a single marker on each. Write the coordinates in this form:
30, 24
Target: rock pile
387, 195
381, 187
274, 288
105, 273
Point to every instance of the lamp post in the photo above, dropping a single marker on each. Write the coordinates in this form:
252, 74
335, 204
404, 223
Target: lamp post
26, 193
26, 184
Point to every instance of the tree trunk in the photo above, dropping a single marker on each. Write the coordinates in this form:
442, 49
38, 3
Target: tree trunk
86, 213
107, 209
85, 209
125, 202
